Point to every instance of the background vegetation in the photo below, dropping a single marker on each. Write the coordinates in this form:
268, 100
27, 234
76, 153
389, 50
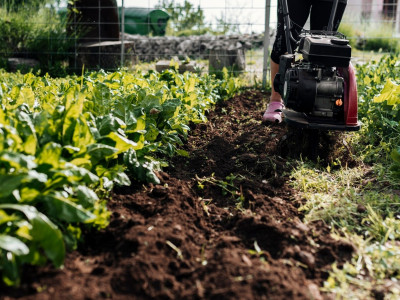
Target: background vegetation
35, 32
16, 5
378, 38
34, 29
184, 18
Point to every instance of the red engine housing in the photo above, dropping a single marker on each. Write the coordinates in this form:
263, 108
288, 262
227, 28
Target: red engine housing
350, 96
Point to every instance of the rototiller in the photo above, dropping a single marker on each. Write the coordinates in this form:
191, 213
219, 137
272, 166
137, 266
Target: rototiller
320, 90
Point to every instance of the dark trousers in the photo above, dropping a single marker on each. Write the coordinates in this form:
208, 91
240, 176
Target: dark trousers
299, 10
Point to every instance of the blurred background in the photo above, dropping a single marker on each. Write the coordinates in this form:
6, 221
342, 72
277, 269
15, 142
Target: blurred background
60, 37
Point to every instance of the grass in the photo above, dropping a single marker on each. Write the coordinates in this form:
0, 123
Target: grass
361, 204
372, 273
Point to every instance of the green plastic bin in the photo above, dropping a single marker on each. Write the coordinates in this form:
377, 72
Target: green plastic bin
139, 20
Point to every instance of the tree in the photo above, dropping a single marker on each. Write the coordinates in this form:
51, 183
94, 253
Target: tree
183, 17
227, 24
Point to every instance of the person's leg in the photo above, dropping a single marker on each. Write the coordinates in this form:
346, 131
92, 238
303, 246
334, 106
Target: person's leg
298, 12
321, 12
275, 96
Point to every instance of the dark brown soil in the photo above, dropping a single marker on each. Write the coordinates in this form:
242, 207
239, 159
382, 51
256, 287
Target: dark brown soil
223, 224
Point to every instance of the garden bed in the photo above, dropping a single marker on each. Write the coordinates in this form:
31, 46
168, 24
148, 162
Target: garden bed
222, 224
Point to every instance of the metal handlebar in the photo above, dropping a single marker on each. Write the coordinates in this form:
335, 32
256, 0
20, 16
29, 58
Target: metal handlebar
288, 27
333, 14
287, 24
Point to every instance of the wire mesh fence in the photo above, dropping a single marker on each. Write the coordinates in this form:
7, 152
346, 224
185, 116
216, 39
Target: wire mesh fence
88, 34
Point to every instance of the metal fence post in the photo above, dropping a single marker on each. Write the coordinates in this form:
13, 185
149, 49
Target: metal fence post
122, 33
266, 42
397, 27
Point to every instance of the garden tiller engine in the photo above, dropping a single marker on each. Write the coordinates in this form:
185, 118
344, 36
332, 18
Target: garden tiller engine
320, 90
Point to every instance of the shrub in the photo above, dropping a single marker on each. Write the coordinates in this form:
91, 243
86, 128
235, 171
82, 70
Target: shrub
15, 32
38, 34
372, 38
52, 44
379, 107
379, 38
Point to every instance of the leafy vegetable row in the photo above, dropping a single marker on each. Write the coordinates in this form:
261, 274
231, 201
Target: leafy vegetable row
379, 110
64, 143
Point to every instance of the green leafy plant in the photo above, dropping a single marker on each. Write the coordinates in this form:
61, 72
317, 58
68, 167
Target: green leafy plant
65, 143
25, 235
379, 106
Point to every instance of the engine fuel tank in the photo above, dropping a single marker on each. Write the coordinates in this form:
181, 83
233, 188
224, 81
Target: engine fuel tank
325, 50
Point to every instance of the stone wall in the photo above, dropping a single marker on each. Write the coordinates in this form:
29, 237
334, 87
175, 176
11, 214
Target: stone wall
154, 48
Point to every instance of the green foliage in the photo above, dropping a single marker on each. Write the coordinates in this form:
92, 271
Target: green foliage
373, 270
184, 18
228, 23
190, 32
25, 234
379, 107
15, 5
350, 32
64, 143
380, 39
187, 20
14, 32
41, 33
361, 207
373, 38
51, 45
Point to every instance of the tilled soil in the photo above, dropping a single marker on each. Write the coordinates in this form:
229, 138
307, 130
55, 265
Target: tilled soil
223, 224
